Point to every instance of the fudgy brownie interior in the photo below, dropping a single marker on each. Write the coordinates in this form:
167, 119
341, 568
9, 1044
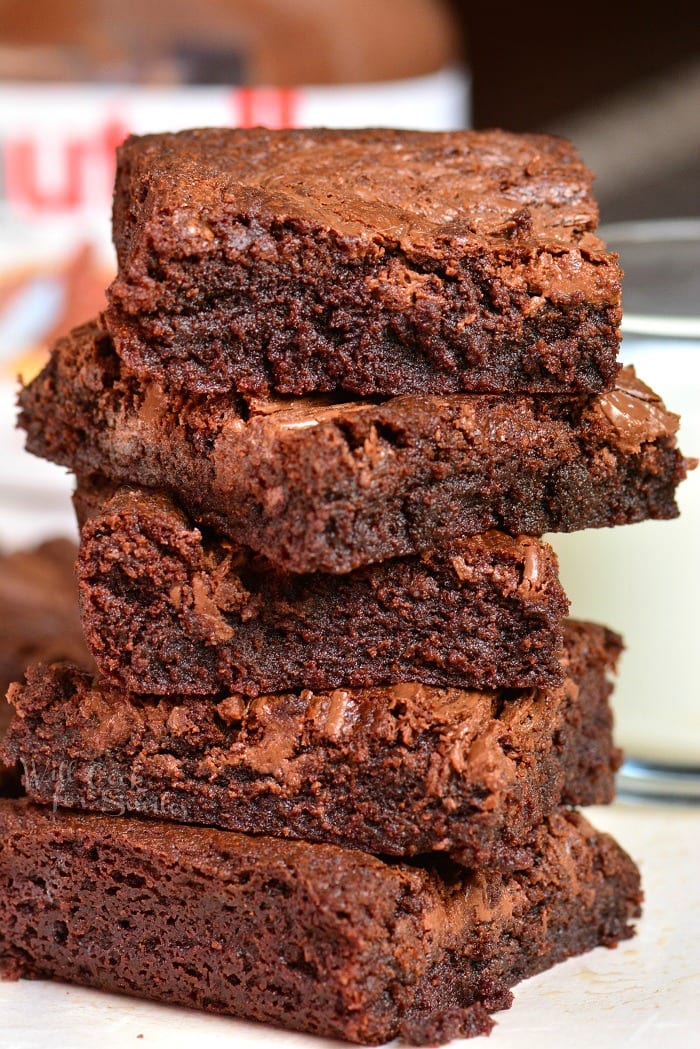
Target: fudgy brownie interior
167, 608
374, 261
398, 770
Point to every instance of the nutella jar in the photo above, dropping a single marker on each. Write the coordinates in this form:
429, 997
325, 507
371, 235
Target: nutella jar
77, 76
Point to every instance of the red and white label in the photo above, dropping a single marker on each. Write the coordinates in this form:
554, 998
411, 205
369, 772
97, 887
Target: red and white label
57, 142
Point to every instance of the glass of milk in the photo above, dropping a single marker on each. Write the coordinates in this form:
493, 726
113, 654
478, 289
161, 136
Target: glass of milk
644, 579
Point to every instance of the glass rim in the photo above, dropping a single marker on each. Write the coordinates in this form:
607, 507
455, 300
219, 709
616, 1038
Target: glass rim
655, 231
642, 231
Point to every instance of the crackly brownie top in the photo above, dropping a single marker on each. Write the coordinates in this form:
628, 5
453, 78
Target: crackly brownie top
492, 187
631, 411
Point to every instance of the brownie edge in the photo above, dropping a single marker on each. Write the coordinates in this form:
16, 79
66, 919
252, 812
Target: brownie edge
39, 621
310, 937
375, 261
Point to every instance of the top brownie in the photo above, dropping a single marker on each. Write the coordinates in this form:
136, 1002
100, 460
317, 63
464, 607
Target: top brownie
373, 261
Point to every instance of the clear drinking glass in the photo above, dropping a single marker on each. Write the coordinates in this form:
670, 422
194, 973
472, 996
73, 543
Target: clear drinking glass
644, 579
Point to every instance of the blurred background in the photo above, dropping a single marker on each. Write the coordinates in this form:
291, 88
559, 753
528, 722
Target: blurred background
621, 80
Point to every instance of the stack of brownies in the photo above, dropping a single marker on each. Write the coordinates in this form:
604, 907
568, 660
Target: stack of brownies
325, 776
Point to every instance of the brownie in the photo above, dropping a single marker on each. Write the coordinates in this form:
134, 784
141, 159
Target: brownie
399, 770
311, 937
166, 609
373, 261
320, 486
39, 620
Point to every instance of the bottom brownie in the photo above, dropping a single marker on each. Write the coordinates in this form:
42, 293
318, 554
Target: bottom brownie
312, 937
